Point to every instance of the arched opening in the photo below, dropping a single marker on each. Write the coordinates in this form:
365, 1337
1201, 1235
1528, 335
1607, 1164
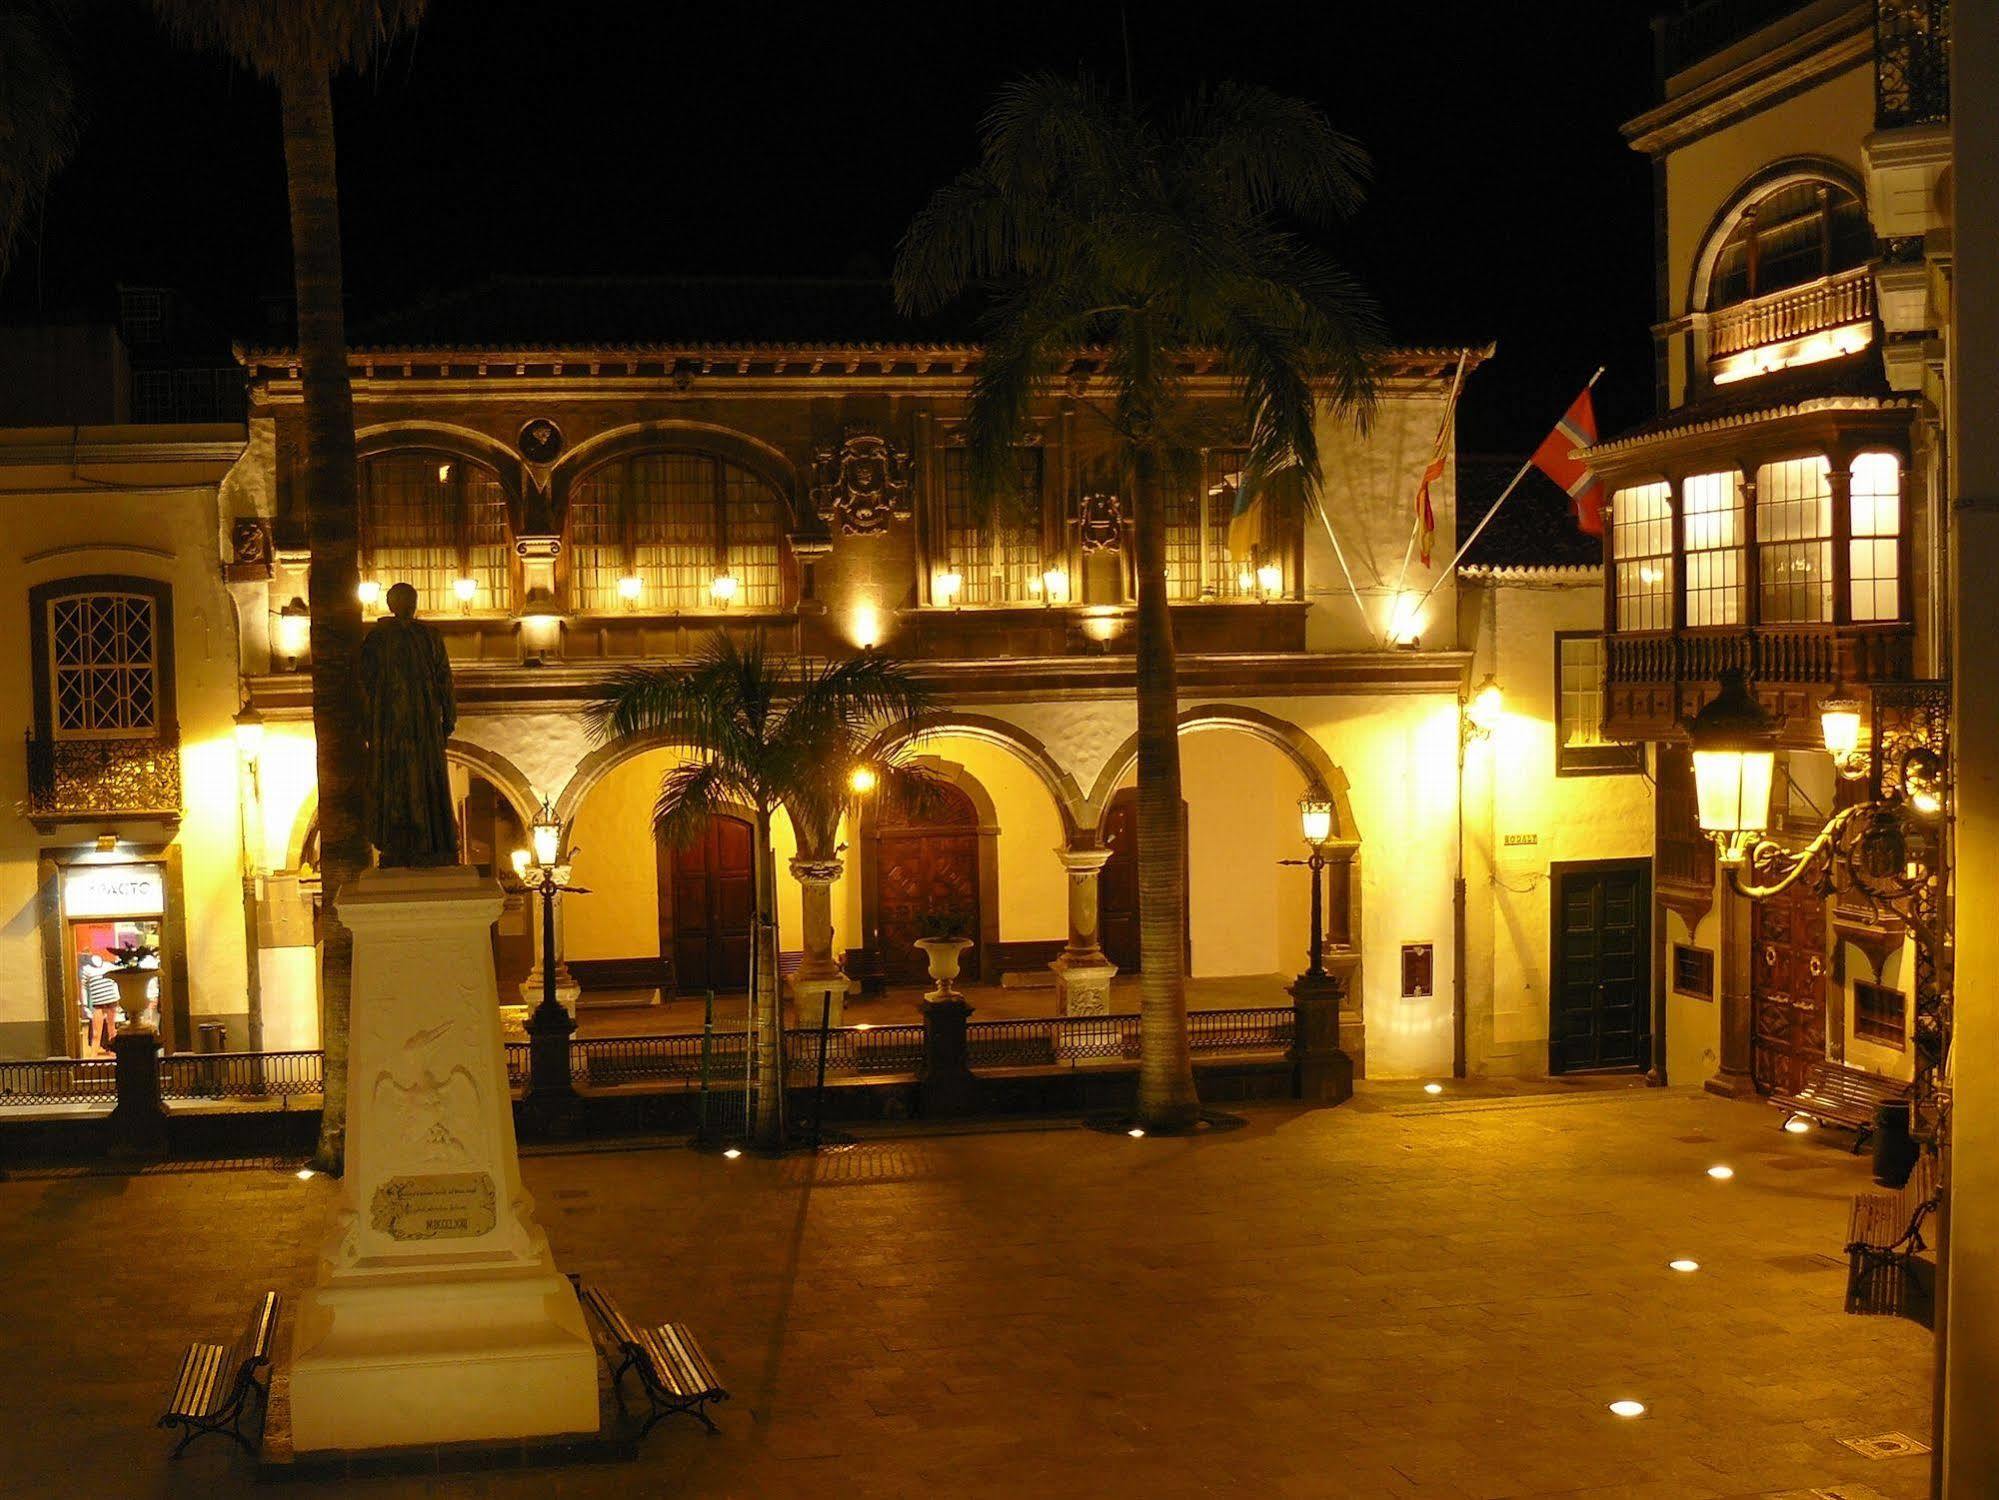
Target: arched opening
439, 522
927, 880
1117, 886
707, 903
1789, 234
490, 828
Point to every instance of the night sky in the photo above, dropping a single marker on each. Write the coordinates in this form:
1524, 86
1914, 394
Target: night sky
508, 137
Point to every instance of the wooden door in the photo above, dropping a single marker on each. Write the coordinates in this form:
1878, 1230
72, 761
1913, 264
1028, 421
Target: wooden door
707, 902
1786, 989
1117, 885
1601, 1000
926, 865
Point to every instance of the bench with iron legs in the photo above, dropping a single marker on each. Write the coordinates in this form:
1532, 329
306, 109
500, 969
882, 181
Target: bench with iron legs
1883, 1237
213, 1390
1834, 1094
671, 1368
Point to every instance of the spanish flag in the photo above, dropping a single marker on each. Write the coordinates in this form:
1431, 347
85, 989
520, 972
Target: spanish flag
1426, 517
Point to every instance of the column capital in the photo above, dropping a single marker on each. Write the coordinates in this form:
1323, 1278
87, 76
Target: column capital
817, 871
1083, 863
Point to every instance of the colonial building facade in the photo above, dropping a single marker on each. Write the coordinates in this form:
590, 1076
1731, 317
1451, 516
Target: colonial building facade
576, 477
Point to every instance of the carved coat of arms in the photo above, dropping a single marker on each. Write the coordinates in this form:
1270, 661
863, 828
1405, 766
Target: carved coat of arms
861, 485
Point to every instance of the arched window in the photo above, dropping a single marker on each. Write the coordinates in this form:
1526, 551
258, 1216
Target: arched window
1641, 545
1794, 541
694, 530
1792, 234
1874, 556
438, 522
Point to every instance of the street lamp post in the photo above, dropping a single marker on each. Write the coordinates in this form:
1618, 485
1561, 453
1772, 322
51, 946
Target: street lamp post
1322, 1073
1315, 814
545, 869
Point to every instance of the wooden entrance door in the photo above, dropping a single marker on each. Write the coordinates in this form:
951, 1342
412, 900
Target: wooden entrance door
1117, 886
707, 901
926, 866
1601, 1005
1786, 990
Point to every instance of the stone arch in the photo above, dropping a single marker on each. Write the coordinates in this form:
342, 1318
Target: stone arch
502, 773
868, 835
1307, 754
600, 762
449, 438
1755, 187
763, 459
1070, 802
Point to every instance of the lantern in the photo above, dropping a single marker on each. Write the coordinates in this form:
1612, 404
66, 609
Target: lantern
1735, 760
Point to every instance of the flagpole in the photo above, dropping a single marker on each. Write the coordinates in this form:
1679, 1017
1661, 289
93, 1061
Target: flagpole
1408, 551
1485, 520
1333, 537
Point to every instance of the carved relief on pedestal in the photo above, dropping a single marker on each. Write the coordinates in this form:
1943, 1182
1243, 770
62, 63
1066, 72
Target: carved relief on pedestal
861, 485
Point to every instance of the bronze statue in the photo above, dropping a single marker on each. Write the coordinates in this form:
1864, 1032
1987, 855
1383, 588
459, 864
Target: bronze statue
407, 713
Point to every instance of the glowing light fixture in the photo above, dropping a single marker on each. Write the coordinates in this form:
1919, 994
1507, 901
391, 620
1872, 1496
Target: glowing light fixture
1839, 724
546, 835
1721, 1174
946, 587
305, 1174
731, 1154
369, 592
1270, 580
862, 780
294, 631
1683, 1266
521, 857
541, 618
1484, 708
444, 473
1315, 818
1735, 757
1245, 582
1628, 1408
723, 588
250, 733
629, 589
466, 590
1136, 1133
864, 1026
1433, 1088
1797, 1126
1055, 586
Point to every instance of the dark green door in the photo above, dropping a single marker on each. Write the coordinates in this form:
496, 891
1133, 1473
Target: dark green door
1601, 1008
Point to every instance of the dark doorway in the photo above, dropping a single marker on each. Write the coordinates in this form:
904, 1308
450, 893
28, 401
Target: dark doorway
1117, 886
1786, 989
926, 868
707, 902
489, 833
1601, 1003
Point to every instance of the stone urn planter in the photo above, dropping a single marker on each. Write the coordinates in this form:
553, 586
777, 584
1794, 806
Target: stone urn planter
132, 1000
944, 955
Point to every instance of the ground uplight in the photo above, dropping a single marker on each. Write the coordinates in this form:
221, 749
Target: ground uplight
305, 1174
732, 1153
1628, 1408
1136, 1133
1433, 1088
1684, 1265
1721, 1174
1797, 1127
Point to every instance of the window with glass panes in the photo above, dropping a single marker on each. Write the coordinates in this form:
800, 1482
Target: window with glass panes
1580, 748
429, 519
676, 521
1712, 507
1874, 555
1794, 541
998, 555
1641, 547
1198, 564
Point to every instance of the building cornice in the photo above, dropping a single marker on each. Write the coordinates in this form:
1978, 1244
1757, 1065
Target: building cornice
22, 447
1621, 453
1765, 79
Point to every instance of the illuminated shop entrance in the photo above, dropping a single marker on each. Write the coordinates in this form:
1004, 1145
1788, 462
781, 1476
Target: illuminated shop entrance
114, 934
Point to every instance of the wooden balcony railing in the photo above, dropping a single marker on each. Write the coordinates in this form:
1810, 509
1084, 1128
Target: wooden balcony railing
1652, 680
103, 778
1830, 302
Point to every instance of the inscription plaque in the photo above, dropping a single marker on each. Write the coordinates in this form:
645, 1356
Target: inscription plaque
438, 1206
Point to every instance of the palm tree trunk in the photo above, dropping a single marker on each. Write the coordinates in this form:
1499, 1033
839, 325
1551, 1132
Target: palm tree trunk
770, 1019
1166, 1096
329, 483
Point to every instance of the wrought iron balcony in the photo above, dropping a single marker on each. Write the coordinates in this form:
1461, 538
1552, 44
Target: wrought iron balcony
99, 778
1911, 62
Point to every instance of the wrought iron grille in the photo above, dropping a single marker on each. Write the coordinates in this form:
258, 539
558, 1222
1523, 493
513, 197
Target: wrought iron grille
241, 1075
86, 777
1911, 62
104, 664
58, 1080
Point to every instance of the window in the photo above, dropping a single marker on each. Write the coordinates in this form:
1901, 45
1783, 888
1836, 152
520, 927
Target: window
1641, 543
1712, 506
1580, 748
104, 665
1198, 563
1693, 971
1794, 234
677, 521
1880, 1014
429, 519
1874, 558
1794, 541
996, 556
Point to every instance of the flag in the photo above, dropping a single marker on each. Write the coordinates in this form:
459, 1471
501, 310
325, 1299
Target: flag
1246, 514
1426, 516
1577, 429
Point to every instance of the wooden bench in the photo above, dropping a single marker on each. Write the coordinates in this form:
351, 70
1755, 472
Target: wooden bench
213, 1388
674, 1373
1883, 1236
1834, 1094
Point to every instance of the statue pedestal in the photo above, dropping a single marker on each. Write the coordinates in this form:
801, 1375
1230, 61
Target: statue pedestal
438, 1315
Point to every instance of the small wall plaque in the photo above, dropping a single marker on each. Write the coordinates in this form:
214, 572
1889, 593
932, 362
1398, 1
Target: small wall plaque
1418, 970
1522, 840
1693, 971
438, 1206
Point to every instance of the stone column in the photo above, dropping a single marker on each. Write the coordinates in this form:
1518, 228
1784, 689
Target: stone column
1732, 1079
819, 987
1082, 973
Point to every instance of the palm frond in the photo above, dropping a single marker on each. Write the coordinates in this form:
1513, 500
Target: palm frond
1252, 150
38, 118
689, 795
273, 37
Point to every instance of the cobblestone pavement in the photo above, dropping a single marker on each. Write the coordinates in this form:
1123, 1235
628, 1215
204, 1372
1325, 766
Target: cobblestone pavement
1404, 1297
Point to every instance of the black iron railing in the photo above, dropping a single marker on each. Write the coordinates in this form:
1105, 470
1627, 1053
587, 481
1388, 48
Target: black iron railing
90, 778
241, 1075
58, 1080
1911, 62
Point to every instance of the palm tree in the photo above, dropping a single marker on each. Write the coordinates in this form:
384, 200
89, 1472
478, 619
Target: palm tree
1088, 224
37, 118
769, 732
299, 45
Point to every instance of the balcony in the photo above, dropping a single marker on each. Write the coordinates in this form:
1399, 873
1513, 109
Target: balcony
1911, 63
1800, 325
91, 780
1653, 681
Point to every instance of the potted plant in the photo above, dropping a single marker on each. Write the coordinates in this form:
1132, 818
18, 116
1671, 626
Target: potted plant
133, 975
944, 941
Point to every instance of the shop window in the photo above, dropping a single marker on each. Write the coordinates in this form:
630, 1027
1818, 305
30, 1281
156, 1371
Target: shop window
1880, 1014
1641, 544
680, 523
994, 552
112, 926
1712, 504
430, 519
1580, 747
1794, 541
1874, 558
1198, 561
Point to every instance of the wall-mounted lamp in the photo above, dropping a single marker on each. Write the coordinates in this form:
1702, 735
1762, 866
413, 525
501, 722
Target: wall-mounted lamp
369, 592
629, 589
1270, 580
1055, 586
947, 587
249, 734
294, 632
723, 589
465, 590
1483, 709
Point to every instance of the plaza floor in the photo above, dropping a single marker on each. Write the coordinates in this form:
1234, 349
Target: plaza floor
1405, 1297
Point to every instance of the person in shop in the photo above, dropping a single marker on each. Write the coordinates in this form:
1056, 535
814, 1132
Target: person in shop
100, 1006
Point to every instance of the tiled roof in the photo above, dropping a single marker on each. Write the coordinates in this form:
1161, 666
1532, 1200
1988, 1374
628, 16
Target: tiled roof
1854, 379
1534, 528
